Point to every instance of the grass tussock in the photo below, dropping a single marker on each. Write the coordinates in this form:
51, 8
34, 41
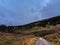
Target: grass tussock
36, 28
54, 38
17, 40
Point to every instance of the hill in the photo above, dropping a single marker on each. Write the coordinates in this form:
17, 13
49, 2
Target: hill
21, 34
38, 24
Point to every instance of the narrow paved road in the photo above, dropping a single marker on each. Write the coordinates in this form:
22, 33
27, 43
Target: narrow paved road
42, 41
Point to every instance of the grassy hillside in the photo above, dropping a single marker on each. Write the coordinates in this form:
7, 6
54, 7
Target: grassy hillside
34, 26
29, 33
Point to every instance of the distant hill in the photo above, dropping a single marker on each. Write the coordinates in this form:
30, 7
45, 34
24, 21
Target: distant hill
50, 21
41, 23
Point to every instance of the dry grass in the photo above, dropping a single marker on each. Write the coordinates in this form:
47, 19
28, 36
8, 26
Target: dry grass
7, 40
36, 28
28, 41
11, 39
54, 38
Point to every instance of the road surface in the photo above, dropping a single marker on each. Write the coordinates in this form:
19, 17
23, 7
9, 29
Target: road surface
42, 41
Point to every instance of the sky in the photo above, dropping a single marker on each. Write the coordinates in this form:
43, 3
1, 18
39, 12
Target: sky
21, 12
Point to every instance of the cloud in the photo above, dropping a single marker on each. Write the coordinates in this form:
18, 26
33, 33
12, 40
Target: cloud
19, 12
52, 9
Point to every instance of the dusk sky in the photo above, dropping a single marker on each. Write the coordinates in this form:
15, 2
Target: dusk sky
20, 12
